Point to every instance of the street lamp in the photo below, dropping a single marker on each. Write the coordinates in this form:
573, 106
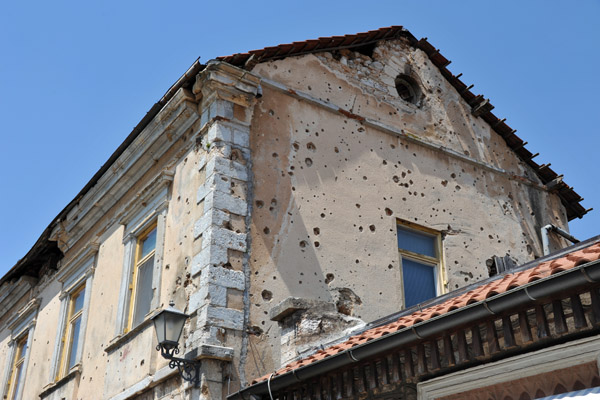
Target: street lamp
168, 325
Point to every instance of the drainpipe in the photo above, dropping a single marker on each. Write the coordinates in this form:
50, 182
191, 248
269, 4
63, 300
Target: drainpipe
546, 236
543, 288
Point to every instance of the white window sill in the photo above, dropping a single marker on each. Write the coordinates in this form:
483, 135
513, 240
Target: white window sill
74, 372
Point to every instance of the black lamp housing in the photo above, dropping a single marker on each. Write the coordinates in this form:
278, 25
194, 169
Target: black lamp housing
168, 325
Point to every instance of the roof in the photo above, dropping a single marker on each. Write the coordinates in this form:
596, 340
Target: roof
570, 199
502, 284
33, 262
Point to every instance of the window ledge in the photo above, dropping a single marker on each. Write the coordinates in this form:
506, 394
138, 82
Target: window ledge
51, 387
126, 337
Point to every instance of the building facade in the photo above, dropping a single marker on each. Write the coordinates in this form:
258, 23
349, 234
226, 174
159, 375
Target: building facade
283, 198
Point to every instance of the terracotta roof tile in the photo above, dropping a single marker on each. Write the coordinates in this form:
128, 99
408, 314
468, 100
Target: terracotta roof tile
507, 282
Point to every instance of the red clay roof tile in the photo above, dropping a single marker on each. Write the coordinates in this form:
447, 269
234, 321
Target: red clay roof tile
507, 282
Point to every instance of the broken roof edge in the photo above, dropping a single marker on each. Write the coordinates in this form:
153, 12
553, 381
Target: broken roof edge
345, 353
480, 105
43, 243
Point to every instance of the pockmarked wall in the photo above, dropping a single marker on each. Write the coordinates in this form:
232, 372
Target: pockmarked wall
339, 158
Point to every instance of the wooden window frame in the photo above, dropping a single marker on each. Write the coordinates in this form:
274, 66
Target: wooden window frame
67, 338
437, 263
18, 361
137, 263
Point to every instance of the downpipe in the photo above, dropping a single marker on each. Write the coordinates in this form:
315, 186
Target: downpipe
546, 236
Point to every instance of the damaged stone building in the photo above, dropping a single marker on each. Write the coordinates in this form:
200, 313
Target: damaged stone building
340, 218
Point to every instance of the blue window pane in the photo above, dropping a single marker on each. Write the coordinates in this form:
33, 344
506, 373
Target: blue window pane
149, 243
419, 282
416, 242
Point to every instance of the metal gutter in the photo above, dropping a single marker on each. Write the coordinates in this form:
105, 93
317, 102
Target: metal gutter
546, 287
44, 245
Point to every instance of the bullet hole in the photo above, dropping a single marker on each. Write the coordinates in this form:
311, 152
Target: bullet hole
273, 204
317, 244
457, 187
395, 179
322, 215
142, 363
296, 146
384, 162
357, 205
271, 112
303, 243
311, 146
444, 183
267, 295
360, 228
364, 178
404, 174
275, 155
266, 230
336, 149
308, 162
293, 188
329, 278
490, 237
316, 231
390, 266
372, 228
388, 212
357, 261
259, 203
453, 175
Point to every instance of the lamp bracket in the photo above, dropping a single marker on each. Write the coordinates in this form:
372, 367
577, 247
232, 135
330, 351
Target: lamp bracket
189, 370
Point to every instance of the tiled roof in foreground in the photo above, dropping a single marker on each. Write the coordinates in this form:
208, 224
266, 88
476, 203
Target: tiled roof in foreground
479, 293
481, 106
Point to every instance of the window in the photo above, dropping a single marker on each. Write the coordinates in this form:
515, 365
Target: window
419, 250
16, 371
71, 335
21, 326
76, 276
408, 89
144, 221
140, 286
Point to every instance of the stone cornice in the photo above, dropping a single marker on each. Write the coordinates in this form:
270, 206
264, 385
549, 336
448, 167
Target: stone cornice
11, 293
178, 115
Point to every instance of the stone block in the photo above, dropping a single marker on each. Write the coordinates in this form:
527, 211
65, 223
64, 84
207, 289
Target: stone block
225, 318
203, 191
225, 277
292, 304
211, 218
208, 294
228, 239
230, 168
209, 255
229, 203
218, 132
241, 137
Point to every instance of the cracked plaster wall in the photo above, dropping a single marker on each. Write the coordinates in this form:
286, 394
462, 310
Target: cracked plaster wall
328, 189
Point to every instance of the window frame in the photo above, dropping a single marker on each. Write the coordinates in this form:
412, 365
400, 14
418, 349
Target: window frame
68, 337
77, 275
437, 263
137, 264
138, 219
22, 327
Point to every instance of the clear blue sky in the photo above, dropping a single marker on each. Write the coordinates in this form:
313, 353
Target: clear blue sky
76, 77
